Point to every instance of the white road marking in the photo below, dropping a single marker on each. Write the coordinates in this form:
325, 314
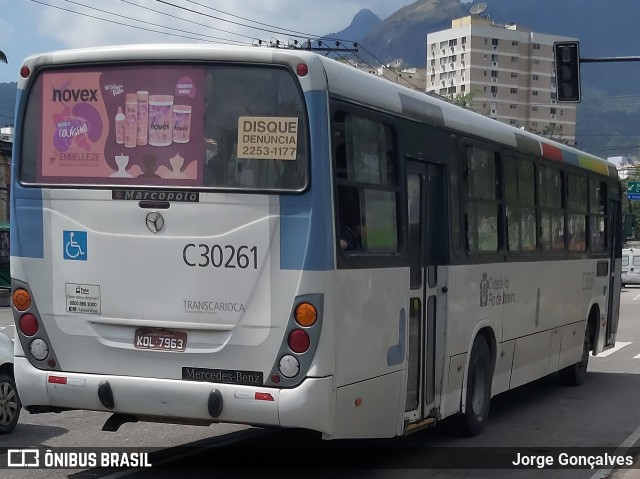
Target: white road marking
636, 298
619, 345
620, 451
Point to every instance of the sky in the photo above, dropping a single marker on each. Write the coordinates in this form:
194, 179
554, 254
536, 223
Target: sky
36, 26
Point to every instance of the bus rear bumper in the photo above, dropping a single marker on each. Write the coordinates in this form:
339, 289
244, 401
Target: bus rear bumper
310, 405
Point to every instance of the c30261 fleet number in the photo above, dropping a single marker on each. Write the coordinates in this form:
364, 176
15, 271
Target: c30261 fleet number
220, 256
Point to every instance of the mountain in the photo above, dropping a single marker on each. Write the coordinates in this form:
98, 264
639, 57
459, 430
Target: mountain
403, 34
608, 116
363, 22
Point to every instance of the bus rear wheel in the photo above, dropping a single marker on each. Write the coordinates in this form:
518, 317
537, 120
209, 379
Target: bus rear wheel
575, 374
478, 395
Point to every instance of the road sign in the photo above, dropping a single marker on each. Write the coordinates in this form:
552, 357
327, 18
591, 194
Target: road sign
633, 196
633, 187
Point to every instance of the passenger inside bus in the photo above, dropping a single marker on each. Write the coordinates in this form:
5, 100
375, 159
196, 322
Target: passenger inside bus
351, 236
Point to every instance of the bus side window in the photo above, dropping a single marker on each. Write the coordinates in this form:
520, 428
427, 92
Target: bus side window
577, 210
367, 184
483, 201
520, 204
551, 204
597, 216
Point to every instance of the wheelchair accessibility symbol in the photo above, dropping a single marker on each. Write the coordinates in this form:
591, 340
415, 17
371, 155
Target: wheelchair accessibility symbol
74, 245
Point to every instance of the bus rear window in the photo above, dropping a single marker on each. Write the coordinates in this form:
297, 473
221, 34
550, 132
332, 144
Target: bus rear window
220, 126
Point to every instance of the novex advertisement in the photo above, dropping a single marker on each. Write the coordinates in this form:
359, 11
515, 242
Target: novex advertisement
124, 125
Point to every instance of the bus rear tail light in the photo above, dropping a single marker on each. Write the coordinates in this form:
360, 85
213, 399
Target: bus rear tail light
289, 366
21, 299
28, 325
299, 341
306, 314
31, 329
39, 349
302, 70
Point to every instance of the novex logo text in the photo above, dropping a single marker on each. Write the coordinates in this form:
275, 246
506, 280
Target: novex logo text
67, 95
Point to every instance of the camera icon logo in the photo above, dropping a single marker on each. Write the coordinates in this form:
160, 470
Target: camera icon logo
23, 457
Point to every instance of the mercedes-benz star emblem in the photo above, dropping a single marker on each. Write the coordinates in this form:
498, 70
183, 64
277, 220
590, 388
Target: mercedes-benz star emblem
155, 222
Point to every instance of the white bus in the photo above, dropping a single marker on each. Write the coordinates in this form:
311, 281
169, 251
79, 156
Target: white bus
206, 234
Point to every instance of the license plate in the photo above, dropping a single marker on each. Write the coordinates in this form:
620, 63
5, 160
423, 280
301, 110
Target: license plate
160, 340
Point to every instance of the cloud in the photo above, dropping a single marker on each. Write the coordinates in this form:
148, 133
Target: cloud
28, 27
315, 19
7, 33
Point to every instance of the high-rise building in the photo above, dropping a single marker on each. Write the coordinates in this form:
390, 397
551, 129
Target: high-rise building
508, 70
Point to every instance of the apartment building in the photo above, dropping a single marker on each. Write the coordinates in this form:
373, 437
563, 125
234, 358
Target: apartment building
414, 78
508, 69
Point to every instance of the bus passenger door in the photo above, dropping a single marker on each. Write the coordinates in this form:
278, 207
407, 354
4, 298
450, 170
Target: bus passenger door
613, 310
425, 193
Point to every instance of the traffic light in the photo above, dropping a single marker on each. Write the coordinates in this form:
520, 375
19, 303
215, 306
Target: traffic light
567, 56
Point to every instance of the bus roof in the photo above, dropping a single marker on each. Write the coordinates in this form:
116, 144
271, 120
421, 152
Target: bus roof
346, 81
373, 90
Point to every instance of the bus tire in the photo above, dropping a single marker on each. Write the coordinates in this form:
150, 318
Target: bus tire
575, 374
478, 395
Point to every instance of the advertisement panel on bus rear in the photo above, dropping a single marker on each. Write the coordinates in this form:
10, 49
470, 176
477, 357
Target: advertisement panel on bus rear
130, 125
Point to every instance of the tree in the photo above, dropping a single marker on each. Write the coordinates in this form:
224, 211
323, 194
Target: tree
464, 99
552, 132
3, 57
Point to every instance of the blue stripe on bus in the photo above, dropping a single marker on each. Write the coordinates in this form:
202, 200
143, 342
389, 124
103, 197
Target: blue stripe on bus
570, 158
306, 239
27, 240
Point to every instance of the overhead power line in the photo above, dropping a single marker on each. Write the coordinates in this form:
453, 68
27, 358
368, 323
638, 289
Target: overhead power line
188, 21
299, 34
127, 24
340, 48
277, 31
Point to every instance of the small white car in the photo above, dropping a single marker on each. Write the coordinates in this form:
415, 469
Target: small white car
9, 400
630, 266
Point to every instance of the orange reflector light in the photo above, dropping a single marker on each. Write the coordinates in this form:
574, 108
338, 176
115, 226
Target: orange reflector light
306, 314
21, 299
57, 380
264, 397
